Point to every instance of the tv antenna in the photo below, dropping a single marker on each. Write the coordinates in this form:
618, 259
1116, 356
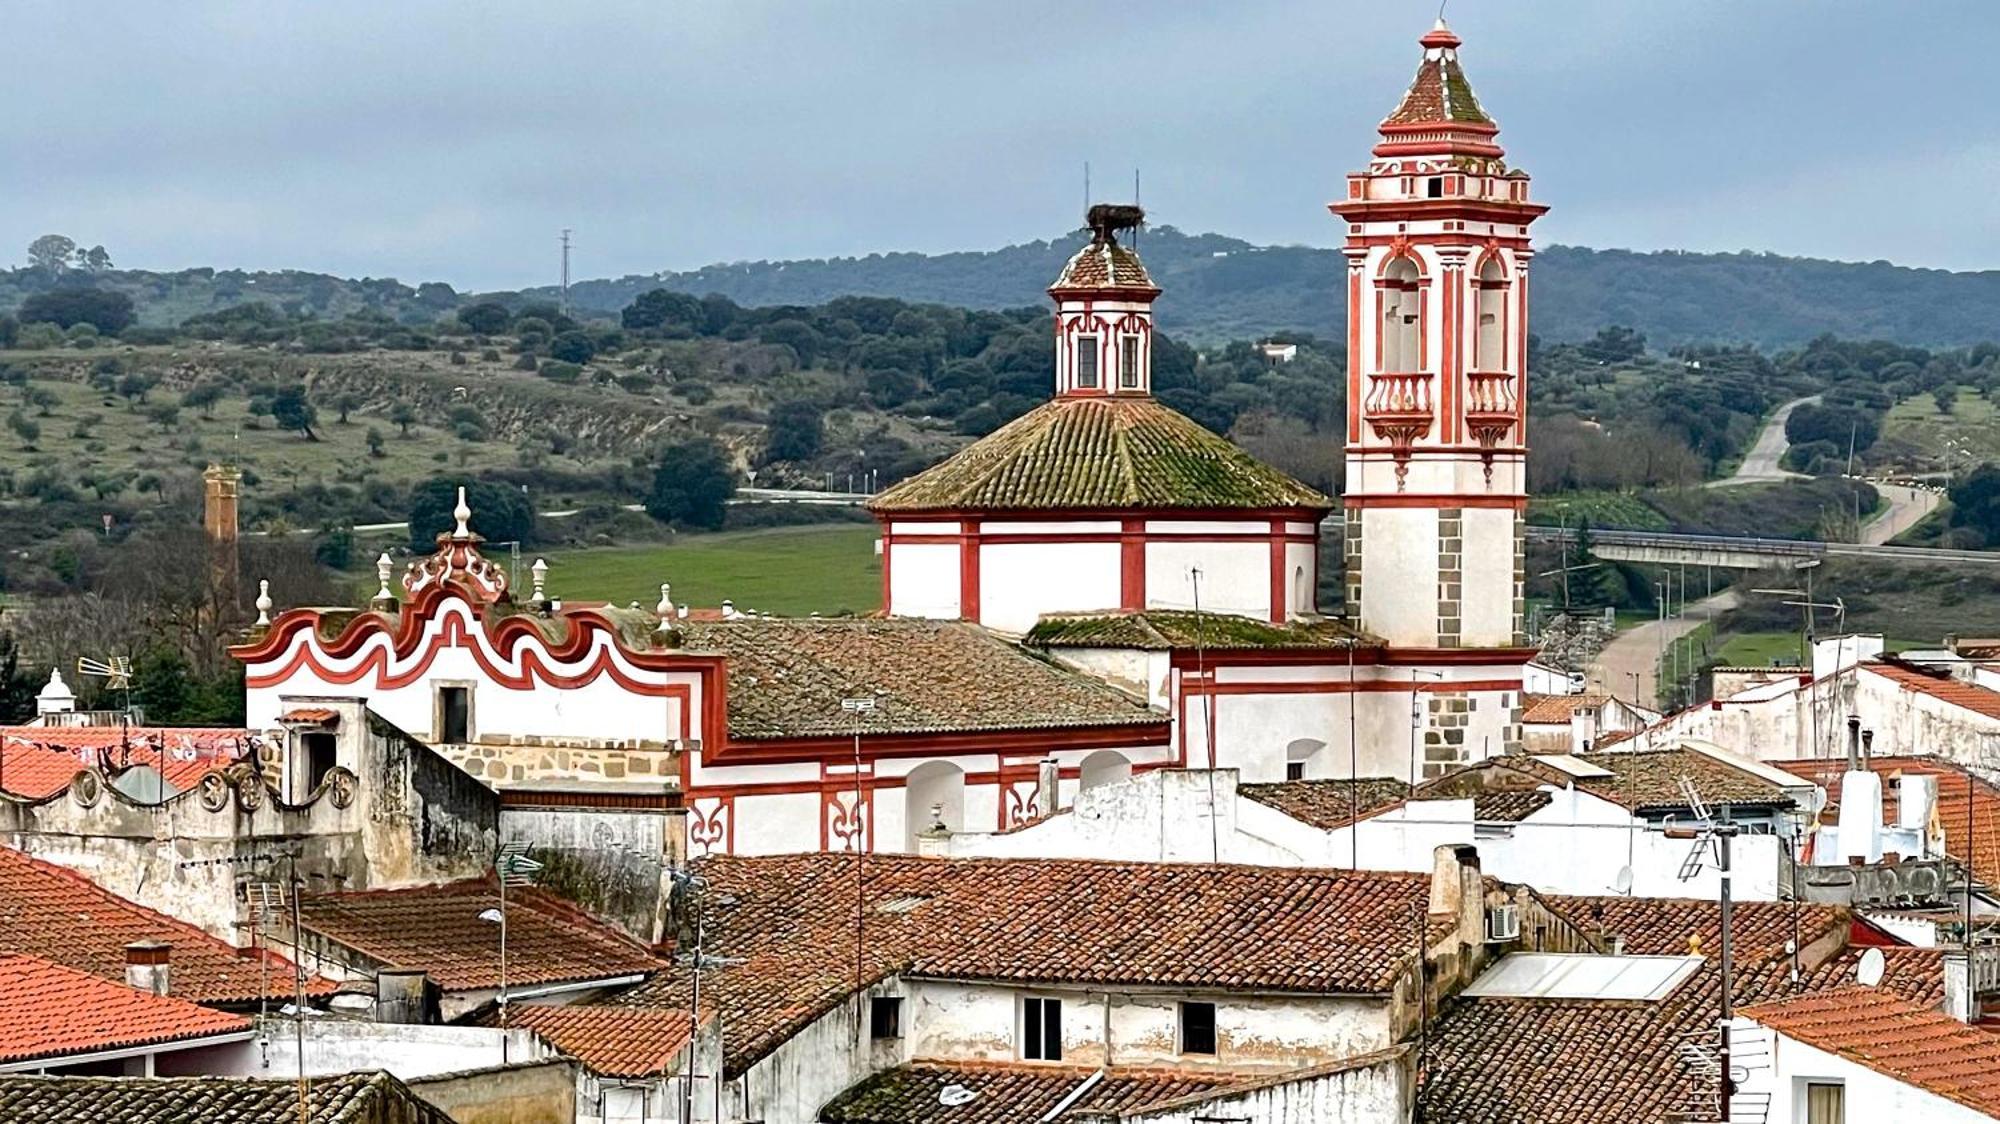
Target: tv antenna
1711, 837
565, 270
116, 671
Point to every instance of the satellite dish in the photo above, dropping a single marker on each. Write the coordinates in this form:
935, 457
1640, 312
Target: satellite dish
1868, 973
951, 1096
1623, 883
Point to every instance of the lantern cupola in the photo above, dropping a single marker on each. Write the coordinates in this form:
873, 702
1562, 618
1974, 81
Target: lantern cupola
1104, 312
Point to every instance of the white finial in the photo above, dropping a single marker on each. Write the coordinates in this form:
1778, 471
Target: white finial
684, 612
540, 573
463, 514
666, 606
728, 609
383, 565
263, 603
56, 697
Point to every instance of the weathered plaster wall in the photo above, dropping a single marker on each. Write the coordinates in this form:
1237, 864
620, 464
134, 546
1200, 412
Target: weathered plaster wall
1375, 1090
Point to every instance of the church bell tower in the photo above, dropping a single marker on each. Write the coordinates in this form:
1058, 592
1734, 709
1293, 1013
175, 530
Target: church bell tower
1437, 304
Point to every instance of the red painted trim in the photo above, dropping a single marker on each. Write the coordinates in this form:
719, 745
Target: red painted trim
1354, 376
1511, 503
872, 784
1448, 362
1132, 566
1340, 687
968, 576
1417, 210
1132, 735
1096, 514
1279, 586
887, 585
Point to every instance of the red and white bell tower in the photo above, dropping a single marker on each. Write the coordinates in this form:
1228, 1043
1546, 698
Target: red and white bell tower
1437, 302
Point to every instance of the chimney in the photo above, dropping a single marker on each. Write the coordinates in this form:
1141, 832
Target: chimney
1853, 742
1458, 890
146, 965
402, 996
220, 486
1048, 797
1867, 746
1958, 999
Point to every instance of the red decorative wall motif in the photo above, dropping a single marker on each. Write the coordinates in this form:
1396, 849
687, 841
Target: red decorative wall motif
712, 826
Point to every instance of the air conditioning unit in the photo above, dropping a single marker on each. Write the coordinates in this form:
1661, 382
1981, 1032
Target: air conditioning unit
1503, 923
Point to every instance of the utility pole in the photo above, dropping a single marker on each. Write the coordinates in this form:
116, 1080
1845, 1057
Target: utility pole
1722, 831
565, 271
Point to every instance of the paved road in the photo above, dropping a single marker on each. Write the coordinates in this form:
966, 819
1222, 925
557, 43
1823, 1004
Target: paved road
1760, 464
1633, 656
1903, 505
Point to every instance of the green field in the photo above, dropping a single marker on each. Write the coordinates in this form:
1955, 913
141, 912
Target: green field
791, 571
1757, 649
1973, 425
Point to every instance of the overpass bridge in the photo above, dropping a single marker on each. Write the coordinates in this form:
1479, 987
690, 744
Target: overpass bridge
1734, 552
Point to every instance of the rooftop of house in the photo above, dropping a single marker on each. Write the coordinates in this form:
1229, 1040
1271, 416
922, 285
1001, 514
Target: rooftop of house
1584, 1061
350, 1098
1167, 630
790, 920
1912, 1043
1938, 684
1955, 786
1005, 1094
1547, 710
609, 1041
37, 761
437, 929
1328, 804
1648, 781
47, 1011
1100, 453
787, 679
1440, 92
59, 915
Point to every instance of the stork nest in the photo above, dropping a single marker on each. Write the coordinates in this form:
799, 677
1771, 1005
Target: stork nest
1107, 219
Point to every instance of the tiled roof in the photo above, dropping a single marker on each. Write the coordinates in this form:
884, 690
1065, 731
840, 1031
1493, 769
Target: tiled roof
310, 714
1544, 710
1954, 787
1166, 630
350, 1098
1566, 1061
1917, 1045
1915, 974
39, 760
1106, 265
787, 679
1508, 807
1939, 685
1100, 454
1641, 782
61, 916
437, 929
789, 919
1005, 1094
609, 1041
1328, 804
48, 1010
1439, 93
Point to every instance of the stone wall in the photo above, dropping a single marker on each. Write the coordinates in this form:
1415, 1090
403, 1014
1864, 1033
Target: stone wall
541, 1092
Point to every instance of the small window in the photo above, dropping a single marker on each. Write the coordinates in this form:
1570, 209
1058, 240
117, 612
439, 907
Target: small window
1826, 1102
1128, 363
1295, 770
1041, 1030
1435, 188
1086, 362
885, 1017
454, 715
1198, 1028
319, 756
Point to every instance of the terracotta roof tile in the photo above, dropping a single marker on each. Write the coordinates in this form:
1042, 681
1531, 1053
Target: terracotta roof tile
1006, 1094
788, 677
1642, 782
790, 921
1939, 685
40, 760
310, 714
1544, 710
1954, 786
1099, 453
1439, 93
1106, 265
1328, 804
350, 1098
61, 916
1508, 807
1917, 1045
1163, 630
437, 929
1667, 926
609, 1041
48, 1010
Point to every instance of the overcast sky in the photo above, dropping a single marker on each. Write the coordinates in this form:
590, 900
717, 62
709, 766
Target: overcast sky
436, 141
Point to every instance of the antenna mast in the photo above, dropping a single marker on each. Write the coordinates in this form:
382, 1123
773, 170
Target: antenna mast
1717, 833
565, 271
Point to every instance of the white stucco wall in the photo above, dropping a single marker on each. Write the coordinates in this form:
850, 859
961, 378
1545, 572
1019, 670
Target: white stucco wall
1486, 609
1235, 576
1399, 571
923, 579
1019, 582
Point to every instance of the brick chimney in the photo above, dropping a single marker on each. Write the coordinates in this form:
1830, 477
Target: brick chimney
146, 965
220, 486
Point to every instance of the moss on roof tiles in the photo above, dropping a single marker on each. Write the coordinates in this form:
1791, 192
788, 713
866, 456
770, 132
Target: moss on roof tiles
1162, 630
1100, 453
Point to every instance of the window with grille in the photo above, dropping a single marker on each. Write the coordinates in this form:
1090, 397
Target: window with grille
1041, 1029
1086, 362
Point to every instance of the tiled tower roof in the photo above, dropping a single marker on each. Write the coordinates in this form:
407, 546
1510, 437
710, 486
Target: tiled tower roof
1440, 92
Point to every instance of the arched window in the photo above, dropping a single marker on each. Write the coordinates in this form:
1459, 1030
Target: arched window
1401, 316
934, 792
1489, 349
1106, 766
1300, 758
1302, 594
